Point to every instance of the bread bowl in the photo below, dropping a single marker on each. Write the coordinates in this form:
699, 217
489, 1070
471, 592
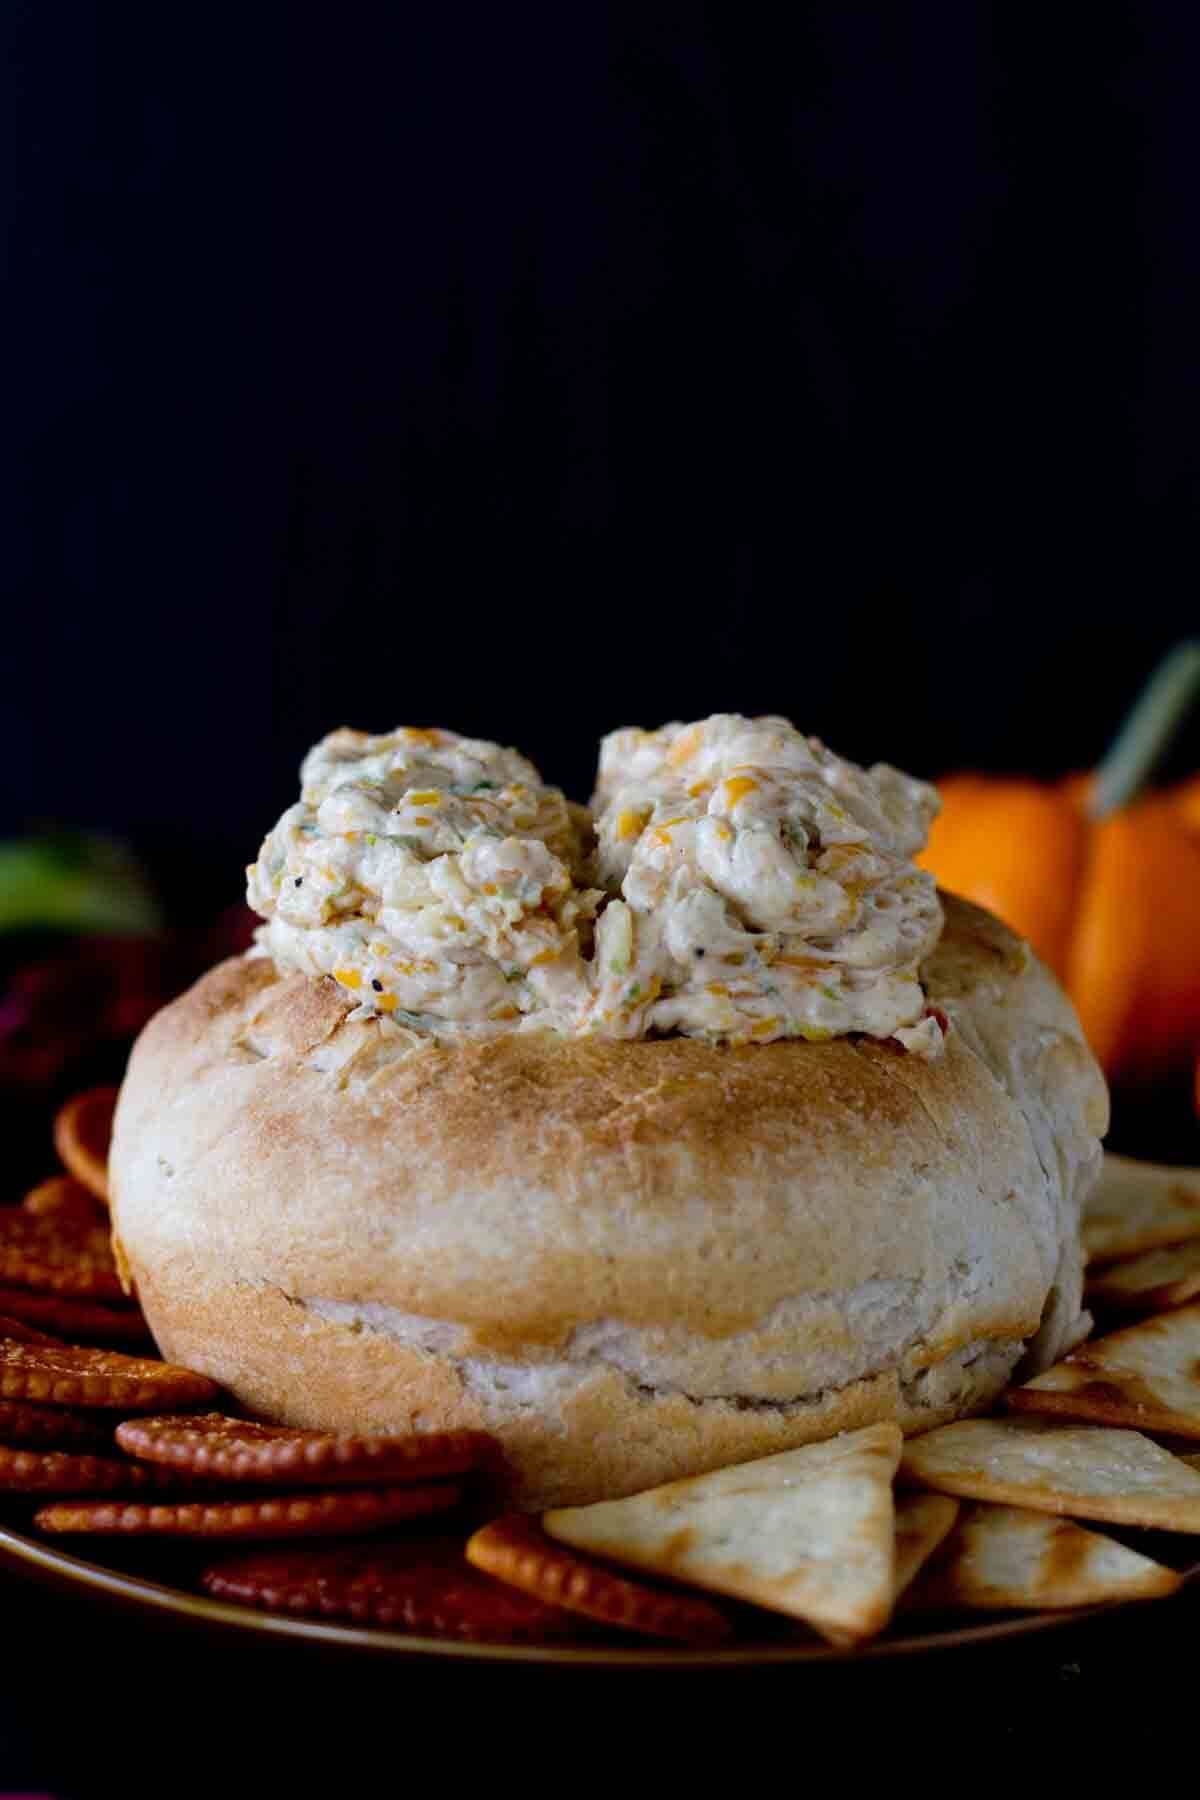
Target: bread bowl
633, 1258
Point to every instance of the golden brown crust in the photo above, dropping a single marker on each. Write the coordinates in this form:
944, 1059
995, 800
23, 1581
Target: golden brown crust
605, 1437
633, 1260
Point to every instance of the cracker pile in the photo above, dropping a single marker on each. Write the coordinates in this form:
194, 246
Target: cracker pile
986, 1515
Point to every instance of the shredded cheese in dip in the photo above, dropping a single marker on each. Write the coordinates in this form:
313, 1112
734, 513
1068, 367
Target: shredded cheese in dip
768, 887
748, 885
435, 877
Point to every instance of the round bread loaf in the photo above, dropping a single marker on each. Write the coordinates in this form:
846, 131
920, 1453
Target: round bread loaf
633, 1261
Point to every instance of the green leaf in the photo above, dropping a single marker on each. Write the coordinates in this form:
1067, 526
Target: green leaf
74, 881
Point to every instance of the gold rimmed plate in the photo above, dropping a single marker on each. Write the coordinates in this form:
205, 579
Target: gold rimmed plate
136, 1590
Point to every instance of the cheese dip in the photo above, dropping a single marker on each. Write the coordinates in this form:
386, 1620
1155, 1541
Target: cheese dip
768, 887
436, 877
742, 884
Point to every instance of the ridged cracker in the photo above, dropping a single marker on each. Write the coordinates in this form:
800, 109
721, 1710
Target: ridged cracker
344, 1512
76, 1321
243, 1450
69, 1375
83, 1134
61, 1472
20, 1331
62, 1197
26, 1426
516, 1550
55, 1255
420, 1585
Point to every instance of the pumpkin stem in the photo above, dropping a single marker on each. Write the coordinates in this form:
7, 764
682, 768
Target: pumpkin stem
1143, 739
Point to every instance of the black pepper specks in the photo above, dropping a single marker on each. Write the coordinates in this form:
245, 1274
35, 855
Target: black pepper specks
299, 881
378, 986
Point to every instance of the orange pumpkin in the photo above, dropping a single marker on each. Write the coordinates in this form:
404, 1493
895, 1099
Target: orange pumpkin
1187, 803
1111, 903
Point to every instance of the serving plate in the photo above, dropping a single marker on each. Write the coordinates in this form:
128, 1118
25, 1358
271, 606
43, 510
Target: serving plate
54, 1567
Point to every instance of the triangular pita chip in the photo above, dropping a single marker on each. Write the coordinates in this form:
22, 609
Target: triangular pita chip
1152, 1282
1082, 1470
809, 1532
923, 1521
1001, 1558
1146, 1376
1138, 1206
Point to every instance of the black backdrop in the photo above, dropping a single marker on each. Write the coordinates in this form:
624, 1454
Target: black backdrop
535, 368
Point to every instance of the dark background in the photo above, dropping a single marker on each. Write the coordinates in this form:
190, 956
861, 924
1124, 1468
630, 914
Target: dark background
532, 369
536, 368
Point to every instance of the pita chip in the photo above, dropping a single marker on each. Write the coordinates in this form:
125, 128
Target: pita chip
1152, 1282
1005, 1558
1138, 1206
1146, 1376
1085, 1471
809, 1532
923, 1523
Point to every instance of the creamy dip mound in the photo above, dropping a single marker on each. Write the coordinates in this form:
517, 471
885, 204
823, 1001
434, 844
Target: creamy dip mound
734, 880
